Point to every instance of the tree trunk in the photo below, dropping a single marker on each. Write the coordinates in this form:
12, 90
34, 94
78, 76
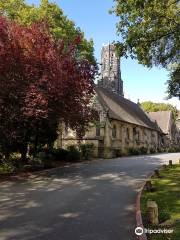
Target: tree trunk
36, 142
7, 155
23, 152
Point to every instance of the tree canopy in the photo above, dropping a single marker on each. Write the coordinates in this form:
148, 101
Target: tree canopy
150, 32
60, 26
40, 85
149, 106
174, 83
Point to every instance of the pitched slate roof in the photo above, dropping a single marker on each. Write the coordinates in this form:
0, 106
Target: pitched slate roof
122, 109
162, 118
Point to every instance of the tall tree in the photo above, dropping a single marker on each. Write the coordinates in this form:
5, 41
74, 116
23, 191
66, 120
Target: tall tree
150, 33
60, 26
149, 106
41, 83
174, 82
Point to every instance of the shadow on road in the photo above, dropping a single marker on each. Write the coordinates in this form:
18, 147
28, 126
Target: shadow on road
91, 201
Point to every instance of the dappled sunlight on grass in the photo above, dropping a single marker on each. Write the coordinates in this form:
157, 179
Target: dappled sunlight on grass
167, 195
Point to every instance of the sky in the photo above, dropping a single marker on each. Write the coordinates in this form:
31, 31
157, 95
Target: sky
93, 18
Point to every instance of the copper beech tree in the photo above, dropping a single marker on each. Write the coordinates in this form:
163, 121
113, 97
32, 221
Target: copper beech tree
42, 82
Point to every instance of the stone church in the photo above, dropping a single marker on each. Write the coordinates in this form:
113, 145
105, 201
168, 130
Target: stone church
169, 127
123, 127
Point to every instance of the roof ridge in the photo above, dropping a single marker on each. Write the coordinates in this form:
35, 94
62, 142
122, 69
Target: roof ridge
126, 110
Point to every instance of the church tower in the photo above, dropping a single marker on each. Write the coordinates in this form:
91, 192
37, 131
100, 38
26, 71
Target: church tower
110, 69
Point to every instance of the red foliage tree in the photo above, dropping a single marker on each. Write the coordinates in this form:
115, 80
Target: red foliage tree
41, 83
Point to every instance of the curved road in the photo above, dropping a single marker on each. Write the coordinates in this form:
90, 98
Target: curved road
86, 201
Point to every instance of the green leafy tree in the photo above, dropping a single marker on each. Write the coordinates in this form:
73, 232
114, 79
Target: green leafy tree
150, 31
60, 26
149, 106
174, 83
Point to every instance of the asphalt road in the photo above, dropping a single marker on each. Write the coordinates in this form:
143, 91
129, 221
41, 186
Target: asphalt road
89, 201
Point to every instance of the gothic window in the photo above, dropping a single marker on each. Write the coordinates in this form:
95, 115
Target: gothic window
145, 133
127, 133
98, 131
152, 137
120, 132
114, 132
112, 61
138, 136
134, 132
98, 127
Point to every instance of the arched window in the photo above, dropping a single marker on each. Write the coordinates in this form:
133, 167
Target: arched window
127, 133
134, 132
138, 135
98, 127
120, 132
98, 131
114, 132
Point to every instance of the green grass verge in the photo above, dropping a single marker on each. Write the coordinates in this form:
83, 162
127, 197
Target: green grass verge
167, 196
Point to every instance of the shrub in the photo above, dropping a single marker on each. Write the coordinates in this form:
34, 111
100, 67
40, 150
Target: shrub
133, 151
73, 153
7, 167
87, 151
47, 163
152, 150
117, 153
36, 161
44, 158
163, 216
173, 149
143, 150
162, 150
59, 154
42, 155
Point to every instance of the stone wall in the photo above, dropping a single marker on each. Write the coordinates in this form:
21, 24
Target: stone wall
114, 138
122, 137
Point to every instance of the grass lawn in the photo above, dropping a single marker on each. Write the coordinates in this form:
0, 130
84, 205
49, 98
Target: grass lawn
167, 196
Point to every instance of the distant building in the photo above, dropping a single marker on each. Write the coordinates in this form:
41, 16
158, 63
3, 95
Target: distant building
123, 127
167, 124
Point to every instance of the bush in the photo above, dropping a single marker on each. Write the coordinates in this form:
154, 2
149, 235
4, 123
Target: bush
133, 151
12, 164
42, 155
117, 153
59, 154
47, 163
163, 216
143, 150
36, 161
7, 167
173, 150
73, 153
87, 151
152, 150
1, 157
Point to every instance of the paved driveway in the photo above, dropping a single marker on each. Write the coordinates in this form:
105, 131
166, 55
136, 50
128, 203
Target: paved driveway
91, 201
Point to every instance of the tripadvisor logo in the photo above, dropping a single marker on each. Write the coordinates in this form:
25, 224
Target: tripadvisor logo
139, 231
